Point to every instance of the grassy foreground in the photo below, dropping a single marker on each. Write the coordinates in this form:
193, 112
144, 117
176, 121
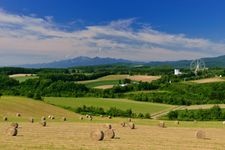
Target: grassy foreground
76, 136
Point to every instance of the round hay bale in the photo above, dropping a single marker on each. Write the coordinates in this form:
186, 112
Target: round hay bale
200, 134
14, 125
49, 117
43, 118
123, 124
43, 123
52, 117
90, 118
97, 135
177, 122
223, 122
109, 134
31, 119
64, 118
108, 126
5, 118
18, 114
110, 117
87, 116
162, 124
129, 119
12, 131
81, 118
131, 125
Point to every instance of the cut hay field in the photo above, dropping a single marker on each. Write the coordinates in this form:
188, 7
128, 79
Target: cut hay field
144, 78
23, 77
106, 103
209, 80
104, 87
76, 136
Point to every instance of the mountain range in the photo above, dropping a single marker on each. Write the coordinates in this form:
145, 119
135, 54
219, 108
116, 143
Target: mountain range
87, 61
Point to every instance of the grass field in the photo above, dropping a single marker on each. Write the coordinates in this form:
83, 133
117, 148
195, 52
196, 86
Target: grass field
23, 77
106, 78
209, 80
109, 80
137, 107
150, 91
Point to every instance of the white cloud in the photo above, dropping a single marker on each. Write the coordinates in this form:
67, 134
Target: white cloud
30, 36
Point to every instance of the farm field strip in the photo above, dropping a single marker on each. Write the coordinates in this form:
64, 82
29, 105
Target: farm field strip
144, 78
23, 77
205, 106
106, 78
114, 79
101, 83
104, 87
209, 80
106, 103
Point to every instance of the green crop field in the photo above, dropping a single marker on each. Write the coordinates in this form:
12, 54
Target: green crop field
114, 80
10, 105
150, 91
137, 107
106, 78
100, 83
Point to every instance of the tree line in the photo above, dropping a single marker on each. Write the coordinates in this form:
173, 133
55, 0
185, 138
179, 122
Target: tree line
112, 111
214, 113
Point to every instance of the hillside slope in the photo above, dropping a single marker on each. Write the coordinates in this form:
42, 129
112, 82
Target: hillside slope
10, 105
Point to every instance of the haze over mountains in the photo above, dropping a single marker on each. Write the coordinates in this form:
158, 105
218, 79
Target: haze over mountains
87, 61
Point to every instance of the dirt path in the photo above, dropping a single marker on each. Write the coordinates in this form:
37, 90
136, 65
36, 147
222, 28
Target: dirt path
162, 113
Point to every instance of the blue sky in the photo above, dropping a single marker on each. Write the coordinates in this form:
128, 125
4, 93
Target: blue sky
146, 30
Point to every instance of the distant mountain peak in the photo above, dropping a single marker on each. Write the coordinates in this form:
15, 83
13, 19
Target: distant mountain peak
78, 61
87, 61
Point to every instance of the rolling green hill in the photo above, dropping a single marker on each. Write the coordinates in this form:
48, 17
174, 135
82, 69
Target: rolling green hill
137, 107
